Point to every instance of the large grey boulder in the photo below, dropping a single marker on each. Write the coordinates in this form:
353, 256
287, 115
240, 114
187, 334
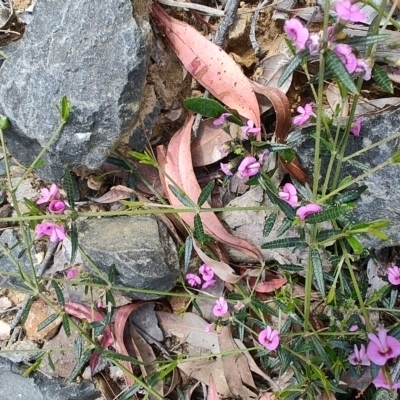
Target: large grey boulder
141, 249
381, 199
95, 52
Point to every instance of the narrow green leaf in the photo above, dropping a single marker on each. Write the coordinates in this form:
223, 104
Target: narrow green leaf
110, 298
395, 159
318, 271
259, 305
338, 69
34, 367
382, 79
205, 193
188, 252
329, 214
142, 158
119, 357
50, 361
59, 293
182, 197
78, 347
67, 328
64, 108
355, 244
286, 242
128, 395
80, 365
74, 241
199, 231
366, 40
111, 273
47, 322
356, 164
350, 195
291, 267
286, 224
269, 223
4, 122
292, 65
69, 187
326, 234
379, 234
321, 352
304, 191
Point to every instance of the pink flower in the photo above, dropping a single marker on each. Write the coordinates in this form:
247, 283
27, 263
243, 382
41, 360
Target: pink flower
394, 275
304, 211
224, 149
72, 273
209, 283
221, 119
221, 307
225, 168
248, 167
249, 129
382, 347
356, 127
349, 12
263, 156
359, 357
289, 194
345, 53
354, 327
305, 114
269, 338
48, 195
363, 66
56, 232
297, 32
193, 280
206, 272
380, 381
313, 43
56, 206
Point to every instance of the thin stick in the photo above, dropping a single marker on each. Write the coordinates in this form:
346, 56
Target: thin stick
193, 6
254, 18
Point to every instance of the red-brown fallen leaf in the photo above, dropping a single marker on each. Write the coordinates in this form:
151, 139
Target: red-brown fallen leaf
268, 285
121, 316
212, 390
283, 124
84, 312
176, 162
116, 193
209, 64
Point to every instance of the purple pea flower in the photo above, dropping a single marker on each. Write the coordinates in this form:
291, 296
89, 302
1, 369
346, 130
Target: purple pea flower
394, 275
365, 68
226, 168
72, 273
49, 194
356, 127
206, 272
349, 12
289, 194
381, 381
249, 129
345, 53
296, 32
193, 280
248, 167
359, 357
269, 338
56, 206
221, 307
305, 114
221, 119
56, 232
304, 211
382, 347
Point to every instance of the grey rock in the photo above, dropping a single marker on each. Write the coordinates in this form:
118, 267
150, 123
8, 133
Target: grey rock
10, 239
39, 387
143, 252
381, 199
95, 52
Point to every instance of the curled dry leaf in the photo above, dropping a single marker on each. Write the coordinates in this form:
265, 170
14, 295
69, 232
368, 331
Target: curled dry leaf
209, 64
121, 316
212, 390
84, 312
176, 162
116, 193
283, 125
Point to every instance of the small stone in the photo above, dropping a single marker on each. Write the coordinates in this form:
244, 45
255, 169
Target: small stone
141, 249
37, 314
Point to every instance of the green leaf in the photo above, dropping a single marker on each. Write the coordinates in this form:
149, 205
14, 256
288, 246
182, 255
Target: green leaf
27, 310
34, 367
188, 252
382, 79
286, 242
266, 184
366, 40
291, 267
358, 165
74, 241
395, 159
379, 234
205, 193
329, 215
142, 158
326, 234
4, 122
286, 224
66, 326
292, 65
269, 223
350, 195
182, 197
128, 395
321, 352
64, 108
209, 108
338, 69
110, 298
111, 273
199, 231
119, 357
355, 244
69, 187
318, 271
50, 361
47, 322
59, 293
259, 305
80, 365
288, 155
